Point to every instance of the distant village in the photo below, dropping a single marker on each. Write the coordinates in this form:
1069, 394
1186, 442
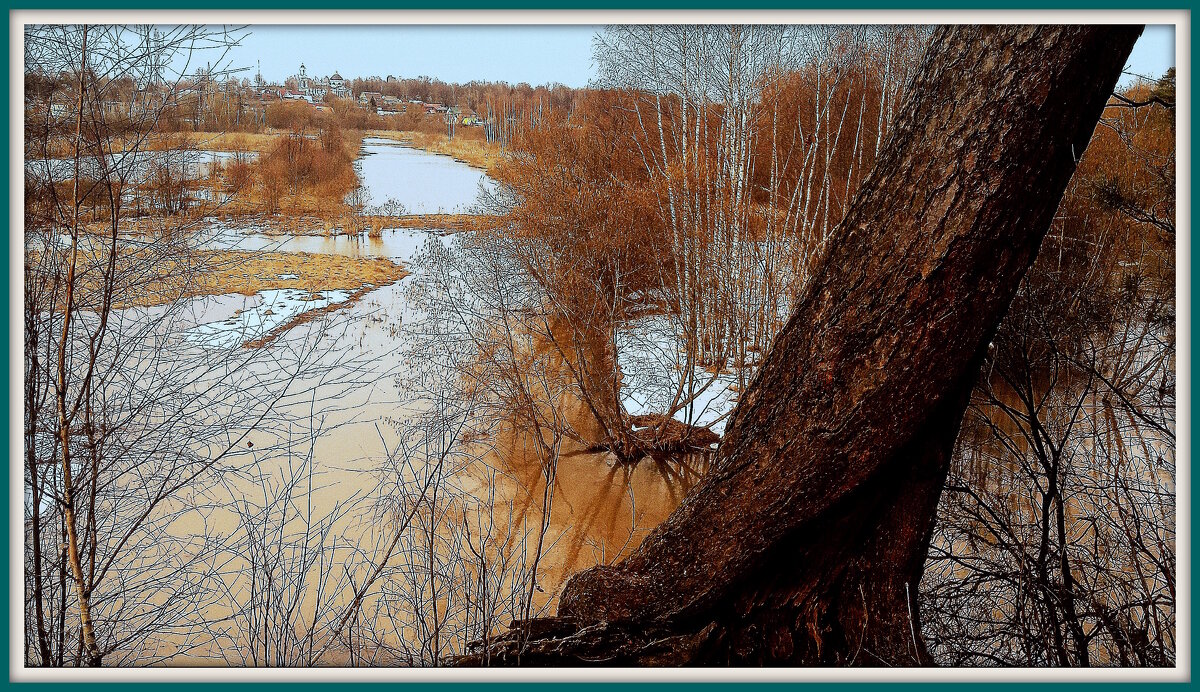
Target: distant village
219, 99
319, 91
206, 98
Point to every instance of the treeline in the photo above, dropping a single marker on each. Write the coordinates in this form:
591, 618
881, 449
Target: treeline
474, 95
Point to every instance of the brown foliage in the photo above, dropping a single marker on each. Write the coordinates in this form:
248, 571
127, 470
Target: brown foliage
302, 173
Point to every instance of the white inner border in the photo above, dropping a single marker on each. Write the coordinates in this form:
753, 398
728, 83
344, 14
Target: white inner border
1180, 18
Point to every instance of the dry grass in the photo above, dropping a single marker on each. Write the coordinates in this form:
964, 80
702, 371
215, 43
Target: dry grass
176, 225
157, 274
160, 141
451, 222
231, 141
212, 141
299, 205
247, 273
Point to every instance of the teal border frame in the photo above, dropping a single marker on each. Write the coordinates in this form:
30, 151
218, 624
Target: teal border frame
466, 5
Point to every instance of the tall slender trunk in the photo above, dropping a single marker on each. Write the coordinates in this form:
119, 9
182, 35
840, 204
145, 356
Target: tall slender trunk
33, 407
87, 632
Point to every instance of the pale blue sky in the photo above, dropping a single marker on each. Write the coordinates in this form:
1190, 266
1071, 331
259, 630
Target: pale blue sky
533, 54
1152, 54
454, 53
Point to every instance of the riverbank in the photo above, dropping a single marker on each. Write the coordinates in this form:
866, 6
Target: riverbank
214, 141
249, 272
160, 273
238, 142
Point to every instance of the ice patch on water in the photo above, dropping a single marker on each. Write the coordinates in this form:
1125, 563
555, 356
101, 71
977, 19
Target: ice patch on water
262, 313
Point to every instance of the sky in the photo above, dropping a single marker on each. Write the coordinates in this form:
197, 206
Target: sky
1152, 54
534, 54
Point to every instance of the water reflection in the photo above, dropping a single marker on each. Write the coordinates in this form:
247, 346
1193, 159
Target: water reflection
600, 510
398, 244
134, 166
422, 183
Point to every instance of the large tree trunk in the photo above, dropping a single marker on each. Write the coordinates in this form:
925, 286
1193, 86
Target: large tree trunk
805, 543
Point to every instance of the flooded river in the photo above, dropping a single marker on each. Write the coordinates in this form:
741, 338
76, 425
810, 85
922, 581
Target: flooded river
189, 164
420, 182
356, 427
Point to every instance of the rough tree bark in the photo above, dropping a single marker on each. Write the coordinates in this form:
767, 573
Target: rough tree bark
805, 543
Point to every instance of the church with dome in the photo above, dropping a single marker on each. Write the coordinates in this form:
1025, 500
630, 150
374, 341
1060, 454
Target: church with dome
316, 89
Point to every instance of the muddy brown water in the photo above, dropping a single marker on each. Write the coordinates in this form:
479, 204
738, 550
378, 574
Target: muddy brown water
599, 512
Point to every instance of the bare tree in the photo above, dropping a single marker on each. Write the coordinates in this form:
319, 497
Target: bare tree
660, 327
806, 541
134, 418
1055, 541
756, 137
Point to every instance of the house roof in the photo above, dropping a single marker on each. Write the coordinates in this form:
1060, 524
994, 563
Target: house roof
336, 76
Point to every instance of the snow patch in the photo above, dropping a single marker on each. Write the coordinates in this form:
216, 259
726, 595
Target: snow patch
261, 314
653, 369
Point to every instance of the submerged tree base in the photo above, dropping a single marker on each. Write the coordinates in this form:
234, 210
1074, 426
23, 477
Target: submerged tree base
657, 437
565, 641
